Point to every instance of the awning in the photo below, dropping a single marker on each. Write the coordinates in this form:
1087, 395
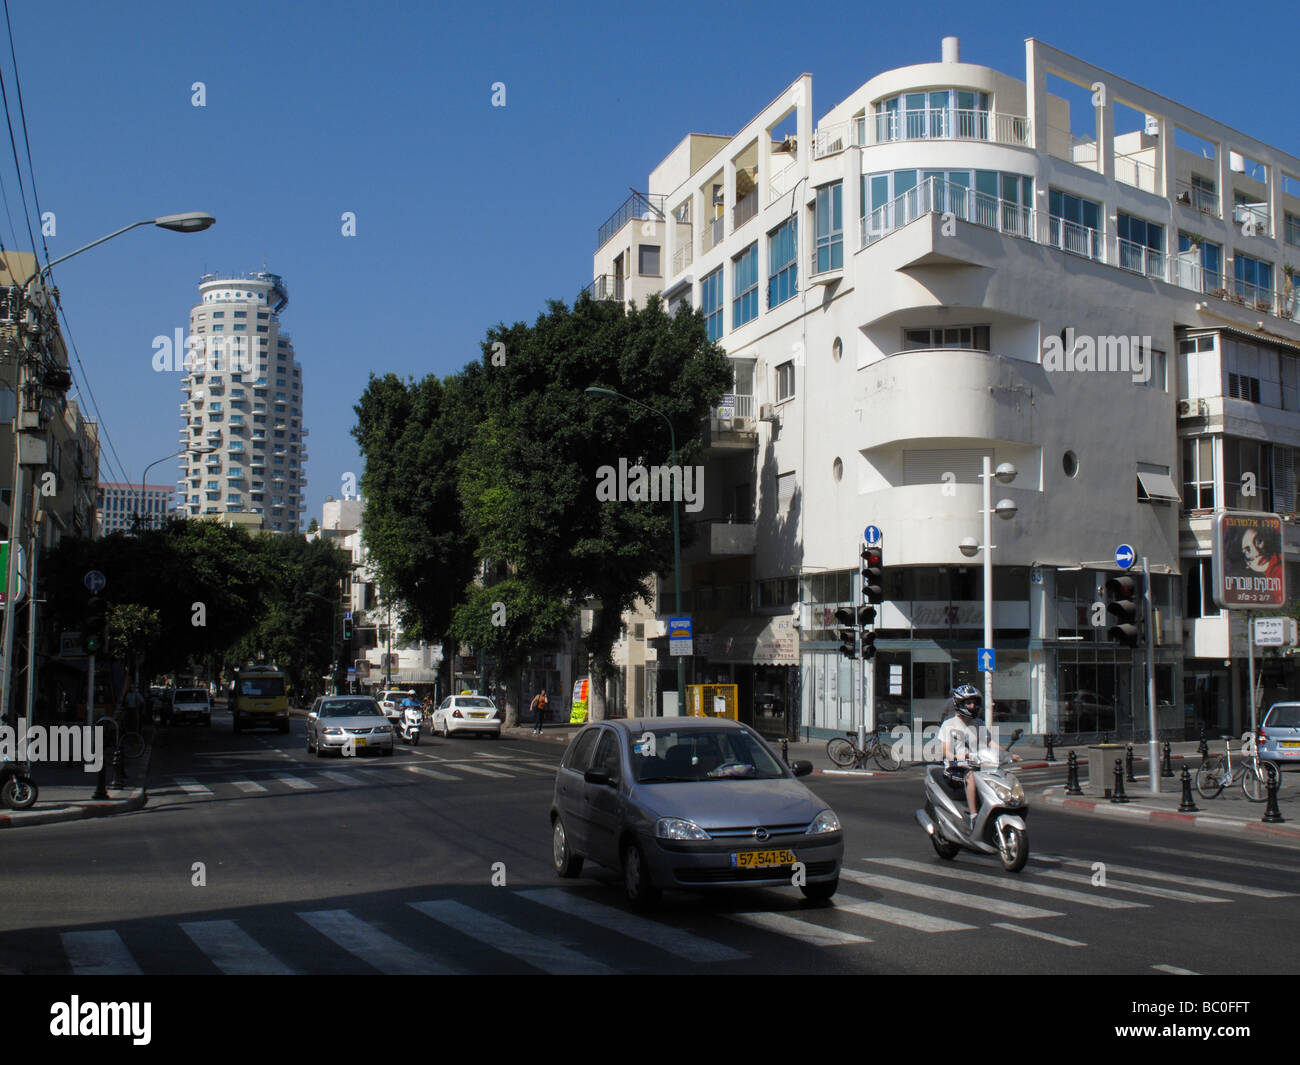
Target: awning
1157, 486
772, 641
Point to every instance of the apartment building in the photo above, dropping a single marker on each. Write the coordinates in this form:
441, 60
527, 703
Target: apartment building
1066, 272
120, 504
242, 412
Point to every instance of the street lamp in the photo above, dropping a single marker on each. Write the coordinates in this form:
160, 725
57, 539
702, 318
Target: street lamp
189, 222
1005, 509
677, 539
139, 505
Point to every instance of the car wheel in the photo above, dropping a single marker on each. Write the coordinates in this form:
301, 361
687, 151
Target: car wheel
640, 889
567, 864
310, 748
822, 891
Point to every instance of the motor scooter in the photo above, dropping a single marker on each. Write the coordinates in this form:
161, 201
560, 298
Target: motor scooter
17, 789
408, 724
1000, 812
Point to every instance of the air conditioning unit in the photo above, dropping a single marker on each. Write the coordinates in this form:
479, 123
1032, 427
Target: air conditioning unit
1192, 408
766, 413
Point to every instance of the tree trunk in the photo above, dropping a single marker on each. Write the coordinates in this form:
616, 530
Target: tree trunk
596, 704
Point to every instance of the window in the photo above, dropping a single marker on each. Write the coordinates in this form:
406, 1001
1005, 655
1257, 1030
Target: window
1291, 229
648, 260
218, 314
1156, 366
1200, 589
1245, 365
1198, 473
1141, 244
744, 283
1075, 223
829, 227
711, 303
970, 337
241, 314
785, 485
785, 381
780, 592
783, 263
1247, 467
938, 113
1254, 280
1211, 263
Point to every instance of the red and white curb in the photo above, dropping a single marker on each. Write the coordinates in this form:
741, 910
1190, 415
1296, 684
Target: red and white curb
79, 812
1134, 811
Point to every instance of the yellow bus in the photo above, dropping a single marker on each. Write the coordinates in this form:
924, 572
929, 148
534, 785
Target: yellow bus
260, 698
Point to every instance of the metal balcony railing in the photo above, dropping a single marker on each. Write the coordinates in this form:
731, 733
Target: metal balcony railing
1133, 171
946, 123
1197, 197
745, 209
638, 205
938, 195
605, 287
683, 256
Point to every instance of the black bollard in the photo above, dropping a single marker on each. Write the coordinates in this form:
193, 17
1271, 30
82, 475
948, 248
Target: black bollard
1272, 815
1119, 795
1203, 748
1166, 763
1187, 806
1105, 737
1072, 775
101, 783
1128, 765
785, 750
119, 768
107, 733
1049, 754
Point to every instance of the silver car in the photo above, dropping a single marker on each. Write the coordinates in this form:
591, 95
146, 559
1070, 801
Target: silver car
349, 724
690, 803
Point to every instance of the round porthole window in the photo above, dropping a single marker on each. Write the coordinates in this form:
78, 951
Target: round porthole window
1070, 463
837, 350
837, 469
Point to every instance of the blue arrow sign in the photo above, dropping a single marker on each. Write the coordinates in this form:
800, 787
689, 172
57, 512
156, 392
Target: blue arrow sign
1124, 556
347, 615
872, 535
988, 660
95, 581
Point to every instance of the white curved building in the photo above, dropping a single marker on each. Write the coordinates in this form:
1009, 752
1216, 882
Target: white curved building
1067, 272
242, 411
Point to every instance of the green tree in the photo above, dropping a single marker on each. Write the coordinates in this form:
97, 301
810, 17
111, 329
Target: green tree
133, 632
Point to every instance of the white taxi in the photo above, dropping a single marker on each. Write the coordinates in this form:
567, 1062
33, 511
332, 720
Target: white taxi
467, 713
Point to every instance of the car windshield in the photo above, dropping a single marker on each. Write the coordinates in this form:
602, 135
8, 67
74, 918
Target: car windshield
1284, 717
261, 687
697, 754
475, 703
349, 708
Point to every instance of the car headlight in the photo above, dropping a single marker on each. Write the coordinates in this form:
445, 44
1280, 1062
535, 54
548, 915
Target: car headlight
333, 732
1013, 794
383, 730
679, 828
826, 821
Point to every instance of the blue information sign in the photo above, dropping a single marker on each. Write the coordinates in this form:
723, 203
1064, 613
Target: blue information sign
872, 535
1125, 556
988, 659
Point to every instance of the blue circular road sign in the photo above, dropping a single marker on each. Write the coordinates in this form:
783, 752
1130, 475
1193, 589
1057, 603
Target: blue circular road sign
95, 581
1125, 556
872, 535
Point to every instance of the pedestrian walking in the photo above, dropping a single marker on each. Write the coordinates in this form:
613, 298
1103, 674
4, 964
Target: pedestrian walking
539, 706
132, 705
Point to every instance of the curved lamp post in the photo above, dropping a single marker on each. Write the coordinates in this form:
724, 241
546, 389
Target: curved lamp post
139, 504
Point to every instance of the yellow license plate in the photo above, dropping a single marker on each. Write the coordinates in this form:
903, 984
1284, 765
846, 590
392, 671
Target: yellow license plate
358, 741
1289, 744
762, 859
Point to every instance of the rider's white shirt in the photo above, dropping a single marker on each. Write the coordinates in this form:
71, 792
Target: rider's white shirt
962, 738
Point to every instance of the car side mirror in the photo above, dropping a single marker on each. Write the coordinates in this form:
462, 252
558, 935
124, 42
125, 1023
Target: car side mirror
801, 768
598, 776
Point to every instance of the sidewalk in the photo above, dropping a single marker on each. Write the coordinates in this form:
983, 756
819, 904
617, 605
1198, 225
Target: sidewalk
64, 792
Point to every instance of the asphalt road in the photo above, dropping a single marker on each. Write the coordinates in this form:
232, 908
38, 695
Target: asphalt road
253, 856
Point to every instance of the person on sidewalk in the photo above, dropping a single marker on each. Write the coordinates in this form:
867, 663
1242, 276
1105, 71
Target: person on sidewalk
540, 707
132, 705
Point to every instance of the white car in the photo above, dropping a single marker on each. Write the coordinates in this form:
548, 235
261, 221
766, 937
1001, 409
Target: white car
390, 699
467, 713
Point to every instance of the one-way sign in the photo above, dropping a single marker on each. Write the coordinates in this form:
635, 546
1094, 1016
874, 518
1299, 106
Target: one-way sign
988, 659
1124, 556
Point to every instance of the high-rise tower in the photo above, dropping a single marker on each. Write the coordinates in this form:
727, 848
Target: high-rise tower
243, 400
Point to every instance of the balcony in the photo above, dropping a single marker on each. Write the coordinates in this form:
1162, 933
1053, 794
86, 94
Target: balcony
1198, 198
683, 256
604, 287
731, 424
638, 205
933, 123
732, 538
745, 209
1139, 259
712, 232
939, 196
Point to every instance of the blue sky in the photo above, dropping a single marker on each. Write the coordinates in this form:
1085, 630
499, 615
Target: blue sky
467, 214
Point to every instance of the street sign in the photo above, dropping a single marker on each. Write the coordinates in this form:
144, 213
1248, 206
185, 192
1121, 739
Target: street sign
988, 660
347, 615
1275, 632
1125, 556
4, 572
679, 637
872, 535
95, 581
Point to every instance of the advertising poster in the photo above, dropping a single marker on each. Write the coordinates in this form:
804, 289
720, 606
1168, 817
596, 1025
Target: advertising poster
1248, 569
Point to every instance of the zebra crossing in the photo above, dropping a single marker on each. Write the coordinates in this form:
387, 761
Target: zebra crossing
585, 929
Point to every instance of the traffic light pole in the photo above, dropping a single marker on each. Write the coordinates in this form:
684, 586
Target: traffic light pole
1152, 754
859, 600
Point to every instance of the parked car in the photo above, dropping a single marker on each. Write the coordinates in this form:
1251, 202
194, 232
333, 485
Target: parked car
337, 720
1278, 738
191, 704
467, 713
690, 803
390, 698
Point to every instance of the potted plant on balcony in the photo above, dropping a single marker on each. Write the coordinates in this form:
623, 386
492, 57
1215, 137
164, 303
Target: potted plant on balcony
1288, 293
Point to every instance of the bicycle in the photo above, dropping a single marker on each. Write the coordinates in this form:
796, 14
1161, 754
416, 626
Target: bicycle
132, 743
1217, 772
845, 753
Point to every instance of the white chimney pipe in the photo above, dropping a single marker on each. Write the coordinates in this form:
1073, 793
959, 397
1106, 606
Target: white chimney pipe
952, 49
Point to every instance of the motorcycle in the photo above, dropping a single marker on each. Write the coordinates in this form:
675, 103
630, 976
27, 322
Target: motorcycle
1000, 811
17, 789
408, 724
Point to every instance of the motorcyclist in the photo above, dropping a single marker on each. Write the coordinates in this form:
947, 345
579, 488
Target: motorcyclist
962, 735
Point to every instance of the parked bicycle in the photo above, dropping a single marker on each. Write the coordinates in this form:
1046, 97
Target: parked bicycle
1217, 772
131, 742
845, 753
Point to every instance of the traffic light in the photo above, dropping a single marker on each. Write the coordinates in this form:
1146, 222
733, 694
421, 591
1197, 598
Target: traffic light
94, 627
848, 633
873, 575
867, 622
347, 628
1124, 601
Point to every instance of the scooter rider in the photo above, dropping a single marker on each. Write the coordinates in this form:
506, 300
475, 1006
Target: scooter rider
962, 735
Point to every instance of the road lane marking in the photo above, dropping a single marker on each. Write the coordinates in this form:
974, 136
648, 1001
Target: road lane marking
98, 954
374, 947
791, 927
1186, 881
920, 922
675, 941
339, 777
1039, 935
232, 950
1133, 889
192, 786
518, 767
430, 773
248, 786
294, 782
953, 898
1230, 859
1175, 970
540, 953
465, 767
1002, 884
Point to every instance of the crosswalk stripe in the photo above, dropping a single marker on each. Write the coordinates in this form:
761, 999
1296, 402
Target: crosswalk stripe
192, 786
373, 946
517, 767
248, 785
1230, 859
1133, 889
793, 928
673, 940
1039, 935
430, 773
540, 953
1175, 970
955, 898
294, 782
339, 777
921, 922
98, 954
232, 950
1186, 881
465, 767
1004, 884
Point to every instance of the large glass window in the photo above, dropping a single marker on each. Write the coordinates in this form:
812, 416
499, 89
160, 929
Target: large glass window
1141, 244
1075, 223
829, 219
1198, 473
934, 114
1247, 474
711, 303
1254, 280
744, 284
783, 263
